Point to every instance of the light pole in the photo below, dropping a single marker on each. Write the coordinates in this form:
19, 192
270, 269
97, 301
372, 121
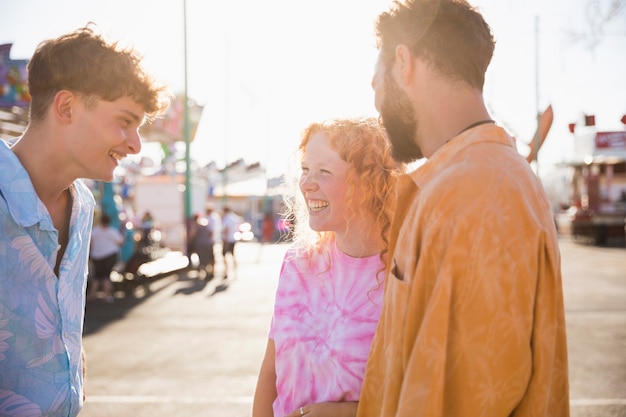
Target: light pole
186, 130
537, 139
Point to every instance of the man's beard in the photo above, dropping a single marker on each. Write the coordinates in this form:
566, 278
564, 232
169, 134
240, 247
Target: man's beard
400, 123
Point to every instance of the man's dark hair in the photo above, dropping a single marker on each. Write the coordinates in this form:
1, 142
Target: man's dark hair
450, 35
105, 220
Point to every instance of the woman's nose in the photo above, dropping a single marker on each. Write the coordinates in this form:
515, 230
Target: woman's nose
307, 183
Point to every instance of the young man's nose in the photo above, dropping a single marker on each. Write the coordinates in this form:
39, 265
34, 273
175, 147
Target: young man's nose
134, 143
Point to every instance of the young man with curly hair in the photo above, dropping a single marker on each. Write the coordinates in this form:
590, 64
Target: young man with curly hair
89, 98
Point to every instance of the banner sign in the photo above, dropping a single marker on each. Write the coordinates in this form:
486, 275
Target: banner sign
170, 127
611, 140
13, 80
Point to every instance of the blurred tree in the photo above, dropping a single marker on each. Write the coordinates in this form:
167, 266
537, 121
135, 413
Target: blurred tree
598, 14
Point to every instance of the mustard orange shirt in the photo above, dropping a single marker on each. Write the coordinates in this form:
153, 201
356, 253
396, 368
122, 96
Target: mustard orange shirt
472, 322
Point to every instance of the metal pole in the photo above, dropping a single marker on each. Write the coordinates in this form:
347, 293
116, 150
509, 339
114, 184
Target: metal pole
226, 115
538, 114
186, 125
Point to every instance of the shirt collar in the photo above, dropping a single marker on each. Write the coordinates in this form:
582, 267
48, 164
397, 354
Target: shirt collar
486, 133
17, 190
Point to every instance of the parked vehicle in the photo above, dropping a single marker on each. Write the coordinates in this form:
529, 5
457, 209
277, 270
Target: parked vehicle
596, 209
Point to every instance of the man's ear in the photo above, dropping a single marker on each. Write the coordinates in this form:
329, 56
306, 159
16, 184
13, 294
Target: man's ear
63, 104
405, 65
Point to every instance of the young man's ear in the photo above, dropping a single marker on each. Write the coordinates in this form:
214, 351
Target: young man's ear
63, 104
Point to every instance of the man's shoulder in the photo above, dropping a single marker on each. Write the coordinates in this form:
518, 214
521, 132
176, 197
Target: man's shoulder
231, 218
16, 190
12, 171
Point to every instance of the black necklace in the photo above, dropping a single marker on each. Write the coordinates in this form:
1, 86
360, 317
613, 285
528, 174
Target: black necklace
473, 125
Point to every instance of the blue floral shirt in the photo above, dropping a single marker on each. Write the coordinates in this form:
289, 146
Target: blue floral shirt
41, 316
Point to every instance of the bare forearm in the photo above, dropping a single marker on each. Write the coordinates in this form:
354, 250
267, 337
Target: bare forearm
264, 395
265, 392
327, 409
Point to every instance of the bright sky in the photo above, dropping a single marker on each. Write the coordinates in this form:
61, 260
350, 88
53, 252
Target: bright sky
265, 69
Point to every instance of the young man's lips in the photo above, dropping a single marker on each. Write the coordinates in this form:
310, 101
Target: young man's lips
117, 156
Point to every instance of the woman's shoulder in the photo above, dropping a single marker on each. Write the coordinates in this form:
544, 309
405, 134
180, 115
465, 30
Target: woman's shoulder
306, 257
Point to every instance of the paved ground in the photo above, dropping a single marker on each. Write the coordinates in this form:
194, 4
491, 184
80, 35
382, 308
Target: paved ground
595, 303
193, 347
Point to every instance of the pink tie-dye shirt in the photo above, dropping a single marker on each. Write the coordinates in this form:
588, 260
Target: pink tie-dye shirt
325, 316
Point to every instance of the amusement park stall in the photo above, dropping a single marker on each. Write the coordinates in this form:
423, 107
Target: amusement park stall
596, 209
14, 97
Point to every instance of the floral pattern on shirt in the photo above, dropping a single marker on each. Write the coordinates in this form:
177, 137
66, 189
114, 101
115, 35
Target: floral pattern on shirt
41, 315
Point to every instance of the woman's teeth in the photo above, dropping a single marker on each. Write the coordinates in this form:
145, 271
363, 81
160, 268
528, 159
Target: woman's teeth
317, 205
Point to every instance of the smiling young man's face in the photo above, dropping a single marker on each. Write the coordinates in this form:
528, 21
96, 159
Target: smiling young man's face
104, 133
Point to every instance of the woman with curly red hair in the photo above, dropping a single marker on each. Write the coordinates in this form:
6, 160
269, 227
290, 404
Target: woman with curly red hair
330, 287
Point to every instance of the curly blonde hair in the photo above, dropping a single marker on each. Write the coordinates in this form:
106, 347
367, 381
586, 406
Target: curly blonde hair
362, 143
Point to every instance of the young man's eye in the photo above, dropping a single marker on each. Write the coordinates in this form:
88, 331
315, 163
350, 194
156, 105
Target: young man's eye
126, 122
